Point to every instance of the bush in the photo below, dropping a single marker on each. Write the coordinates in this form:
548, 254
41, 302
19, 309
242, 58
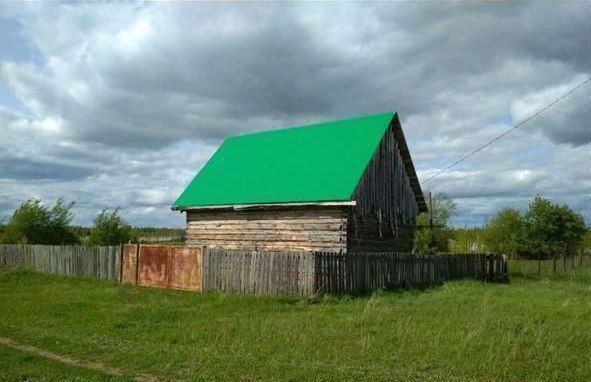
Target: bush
34, 223
552, 229
468, 240
438, 239
545, 230
110, 229
505, 233
587, 241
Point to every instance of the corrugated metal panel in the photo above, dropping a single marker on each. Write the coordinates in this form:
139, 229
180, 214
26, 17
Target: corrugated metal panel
185, 268
163, 266
154, 264
129, 264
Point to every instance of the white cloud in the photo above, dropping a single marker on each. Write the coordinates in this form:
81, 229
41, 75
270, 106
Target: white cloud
124, 102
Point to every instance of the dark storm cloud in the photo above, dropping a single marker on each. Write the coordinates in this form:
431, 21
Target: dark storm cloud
31, 169
219, 69
133, 90
570, 122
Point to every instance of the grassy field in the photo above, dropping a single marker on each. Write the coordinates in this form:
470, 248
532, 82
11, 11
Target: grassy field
17, 365
529, 330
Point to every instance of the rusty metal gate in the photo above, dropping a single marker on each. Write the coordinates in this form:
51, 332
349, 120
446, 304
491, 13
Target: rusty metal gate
162, 266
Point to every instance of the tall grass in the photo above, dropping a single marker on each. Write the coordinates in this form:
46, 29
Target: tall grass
527, 330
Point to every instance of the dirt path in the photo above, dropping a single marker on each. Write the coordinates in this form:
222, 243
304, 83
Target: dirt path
141, 377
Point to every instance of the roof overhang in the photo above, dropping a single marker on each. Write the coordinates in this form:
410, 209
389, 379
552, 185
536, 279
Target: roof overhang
241, 207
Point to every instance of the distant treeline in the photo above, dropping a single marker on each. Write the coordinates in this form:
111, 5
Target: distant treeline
35, 223
544, 230
472, 240
139, 233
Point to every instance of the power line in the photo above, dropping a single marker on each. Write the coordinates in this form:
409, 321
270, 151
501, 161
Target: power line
512, 129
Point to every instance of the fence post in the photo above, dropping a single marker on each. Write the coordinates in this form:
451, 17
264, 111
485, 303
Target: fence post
120, 263
137, 263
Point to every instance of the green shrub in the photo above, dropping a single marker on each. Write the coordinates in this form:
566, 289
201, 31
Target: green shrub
545, 230
552, 229
34, 223
505, 233
438, 239
109, 229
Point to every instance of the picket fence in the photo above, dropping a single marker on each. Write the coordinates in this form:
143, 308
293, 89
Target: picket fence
71, 260
367, 272
255, 272
252, 272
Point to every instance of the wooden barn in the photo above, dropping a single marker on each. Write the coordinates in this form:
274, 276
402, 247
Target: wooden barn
343, 186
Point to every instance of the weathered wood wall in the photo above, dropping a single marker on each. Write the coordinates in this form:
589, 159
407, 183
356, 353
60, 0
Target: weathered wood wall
367, 272
254, 272
258, 272
304, 273
71, 260
366, 234
387, 206
309, 228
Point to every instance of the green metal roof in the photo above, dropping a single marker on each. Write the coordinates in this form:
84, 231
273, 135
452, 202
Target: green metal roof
315, 163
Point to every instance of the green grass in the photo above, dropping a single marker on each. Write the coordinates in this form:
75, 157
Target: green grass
529, 268
16, 365
462, 331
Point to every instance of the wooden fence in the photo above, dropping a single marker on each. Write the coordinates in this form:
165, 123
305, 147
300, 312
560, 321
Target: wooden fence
366, 272
98, 262
251, 272
533, 268
259, 272
328, 272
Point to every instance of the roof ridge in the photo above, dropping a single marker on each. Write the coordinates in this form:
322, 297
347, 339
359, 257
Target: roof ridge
302, 164
316, 124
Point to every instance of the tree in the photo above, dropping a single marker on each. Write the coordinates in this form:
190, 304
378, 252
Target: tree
34, 223
2, 229
110, 229
468, 240
587, 242
552, 229
572, 231
504, 233
438, 239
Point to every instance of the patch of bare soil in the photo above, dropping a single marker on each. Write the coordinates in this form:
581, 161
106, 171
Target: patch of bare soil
98, 366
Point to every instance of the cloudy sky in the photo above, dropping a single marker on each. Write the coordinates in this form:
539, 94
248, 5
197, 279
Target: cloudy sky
120, 104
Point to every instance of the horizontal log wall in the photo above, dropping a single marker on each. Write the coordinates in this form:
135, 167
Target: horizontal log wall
317, 228
98, 262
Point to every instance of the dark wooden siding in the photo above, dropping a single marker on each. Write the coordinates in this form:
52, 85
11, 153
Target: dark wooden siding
366, 234
311, 228
386, 208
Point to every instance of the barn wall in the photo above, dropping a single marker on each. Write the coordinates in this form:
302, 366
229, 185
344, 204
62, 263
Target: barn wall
386, 207
366, 234
297, 229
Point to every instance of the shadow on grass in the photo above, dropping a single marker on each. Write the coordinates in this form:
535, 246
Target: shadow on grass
132, 292
398, 290
561, 275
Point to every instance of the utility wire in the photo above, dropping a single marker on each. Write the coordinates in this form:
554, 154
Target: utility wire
512, 129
